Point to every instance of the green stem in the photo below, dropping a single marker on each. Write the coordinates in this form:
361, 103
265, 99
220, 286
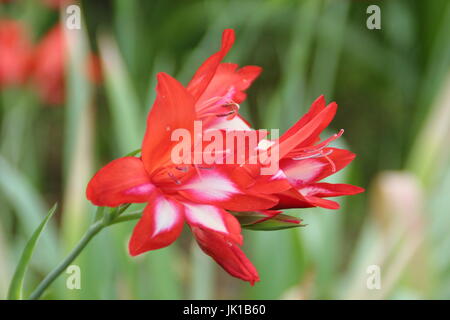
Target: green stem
95, 228
90, 233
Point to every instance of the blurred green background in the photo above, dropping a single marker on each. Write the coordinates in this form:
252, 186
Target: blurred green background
393, 90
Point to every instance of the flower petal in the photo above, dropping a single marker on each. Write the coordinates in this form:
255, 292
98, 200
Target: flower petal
213, 218
330, 190
300, 135
173, 109
160, 225
227, 254
226, 87
215, 186
230, 81
291, 199
123, 180
205, 73
305, 171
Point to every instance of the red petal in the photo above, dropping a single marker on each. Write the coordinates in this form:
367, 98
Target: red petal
227, 254
227, 85
317, 106
229, 76
308, 133
294, 199
330, 190
323, 203
213, 218
205, 73
160, 225
291, 199
123, 180
173, 109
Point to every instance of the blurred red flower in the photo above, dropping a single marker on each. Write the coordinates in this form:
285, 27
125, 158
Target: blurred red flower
15, 53
49, 67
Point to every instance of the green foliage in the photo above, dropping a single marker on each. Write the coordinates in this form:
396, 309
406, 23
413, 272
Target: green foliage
16, 288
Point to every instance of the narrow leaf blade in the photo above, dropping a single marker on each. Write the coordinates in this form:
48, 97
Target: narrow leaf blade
16, 287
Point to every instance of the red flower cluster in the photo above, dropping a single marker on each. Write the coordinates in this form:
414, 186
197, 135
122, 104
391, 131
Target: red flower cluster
201, 196
43, 64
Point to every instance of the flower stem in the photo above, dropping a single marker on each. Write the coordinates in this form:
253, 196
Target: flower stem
107, 220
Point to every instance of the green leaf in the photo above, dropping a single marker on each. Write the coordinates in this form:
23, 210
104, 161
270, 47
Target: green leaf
15, 289
133, 153
261, 222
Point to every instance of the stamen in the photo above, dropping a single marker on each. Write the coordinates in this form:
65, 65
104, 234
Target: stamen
333, 165
206, 168
320, 154
172, 176
324, 143
182, 169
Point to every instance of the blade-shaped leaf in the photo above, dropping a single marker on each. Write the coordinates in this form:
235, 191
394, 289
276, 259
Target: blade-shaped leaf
15, 289
267, 221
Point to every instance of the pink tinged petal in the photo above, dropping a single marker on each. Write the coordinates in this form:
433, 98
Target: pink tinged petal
300, 172
121, 181
213, 218
166, 216
219, 189
209, 186
160, 225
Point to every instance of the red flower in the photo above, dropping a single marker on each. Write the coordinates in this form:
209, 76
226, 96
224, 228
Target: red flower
15, 51
49, 66
304, 160
177, 194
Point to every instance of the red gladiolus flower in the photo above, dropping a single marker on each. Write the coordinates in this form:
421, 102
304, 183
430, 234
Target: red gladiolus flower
15, 51
304, 161
178, 194
200, 196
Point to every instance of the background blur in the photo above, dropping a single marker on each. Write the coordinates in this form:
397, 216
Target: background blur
393, 90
